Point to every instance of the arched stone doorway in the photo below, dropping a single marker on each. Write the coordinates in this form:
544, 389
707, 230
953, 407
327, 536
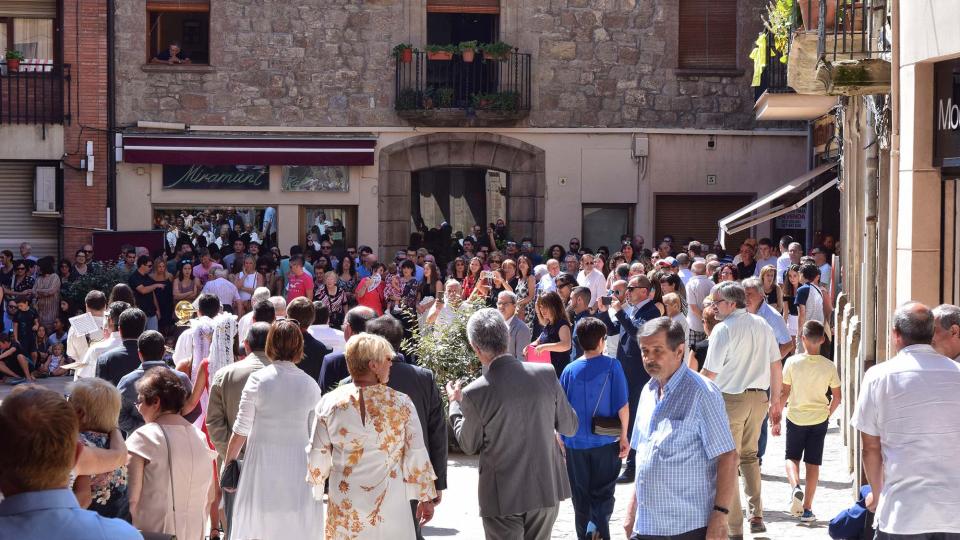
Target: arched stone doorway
524, 164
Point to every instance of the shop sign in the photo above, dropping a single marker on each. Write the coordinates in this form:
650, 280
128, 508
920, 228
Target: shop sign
794, 219
246, 177
946, 113
315, 178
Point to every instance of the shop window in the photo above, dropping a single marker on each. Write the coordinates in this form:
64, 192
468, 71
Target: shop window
707, 37
605, 224
178, 32
33, 38
220, 225
334, 224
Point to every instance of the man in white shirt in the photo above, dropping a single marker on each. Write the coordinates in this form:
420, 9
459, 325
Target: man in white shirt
111, 340
744, 361
946, 331
77, 343
547, 282
222, 288
908, 415
698, 289
592, 279
783, 261
321, 331
820, 258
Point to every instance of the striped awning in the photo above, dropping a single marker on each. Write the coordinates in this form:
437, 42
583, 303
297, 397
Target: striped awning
247, 150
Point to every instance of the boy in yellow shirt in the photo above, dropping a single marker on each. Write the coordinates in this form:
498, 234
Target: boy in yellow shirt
806, 379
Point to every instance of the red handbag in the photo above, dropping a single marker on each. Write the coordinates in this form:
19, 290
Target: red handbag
531, 354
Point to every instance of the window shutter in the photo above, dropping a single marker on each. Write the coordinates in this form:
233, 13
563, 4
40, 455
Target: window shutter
41, 9
463, 6
708, 34
696, 216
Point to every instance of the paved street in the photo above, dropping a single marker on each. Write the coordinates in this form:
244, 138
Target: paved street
457, 516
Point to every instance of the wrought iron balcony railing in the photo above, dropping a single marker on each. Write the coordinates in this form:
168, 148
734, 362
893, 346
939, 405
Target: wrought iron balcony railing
774, 77
494, 85
35, 97
847, 29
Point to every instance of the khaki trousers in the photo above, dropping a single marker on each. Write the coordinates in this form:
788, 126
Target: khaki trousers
746, 412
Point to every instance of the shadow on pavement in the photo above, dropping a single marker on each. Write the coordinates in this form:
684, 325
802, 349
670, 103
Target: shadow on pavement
439, 531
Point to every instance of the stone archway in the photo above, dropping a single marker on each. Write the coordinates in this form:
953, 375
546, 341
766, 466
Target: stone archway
524, 164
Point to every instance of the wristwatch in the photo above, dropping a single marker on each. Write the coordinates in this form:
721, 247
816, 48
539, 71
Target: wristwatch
721, 509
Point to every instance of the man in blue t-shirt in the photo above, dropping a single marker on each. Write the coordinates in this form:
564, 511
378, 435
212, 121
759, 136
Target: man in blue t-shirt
596, 387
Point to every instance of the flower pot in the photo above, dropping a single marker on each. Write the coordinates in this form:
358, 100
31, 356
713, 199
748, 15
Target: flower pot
497, 57
468, 55
13, 64
810, 12
406, 56
440, 55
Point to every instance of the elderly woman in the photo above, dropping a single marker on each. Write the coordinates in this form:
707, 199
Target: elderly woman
367, 441
273, 422
170, 468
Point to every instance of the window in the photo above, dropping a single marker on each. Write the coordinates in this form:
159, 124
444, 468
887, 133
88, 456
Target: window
707, 34
184, 24
336, 224
604, 224
32, 37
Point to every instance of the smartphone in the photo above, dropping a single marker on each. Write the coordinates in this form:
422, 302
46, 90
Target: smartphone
605, 300
486, 275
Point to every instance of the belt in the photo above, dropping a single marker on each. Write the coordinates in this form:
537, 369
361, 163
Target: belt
755, 390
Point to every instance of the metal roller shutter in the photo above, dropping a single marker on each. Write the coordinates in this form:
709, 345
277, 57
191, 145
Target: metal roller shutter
40, 9
17, 222
696, 216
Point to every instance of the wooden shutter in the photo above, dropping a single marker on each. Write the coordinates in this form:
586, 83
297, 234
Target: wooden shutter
35, 9
178, 5
463, 6
696, 216
707, 34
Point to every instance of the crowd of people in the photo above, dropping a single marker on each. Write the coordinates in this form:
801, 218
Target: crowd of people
663, 368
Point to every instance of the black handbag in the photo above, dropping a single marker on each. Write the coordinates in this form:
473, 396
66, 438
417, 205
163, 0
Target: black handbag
230, 478
607, 426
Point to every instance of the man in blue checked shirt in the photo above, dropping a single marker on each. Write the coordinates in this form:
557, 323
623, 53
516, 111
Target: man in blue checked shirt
686, 459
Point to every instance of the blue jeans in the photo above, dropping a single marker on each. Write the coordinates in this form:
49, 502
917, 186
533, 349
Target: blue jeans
593, 478
152, 323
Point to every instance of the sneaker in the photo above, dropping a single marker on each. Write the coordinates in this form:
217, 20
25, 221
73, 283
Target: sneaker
807, 517
13, 381
627, 477
757, 526
796, 502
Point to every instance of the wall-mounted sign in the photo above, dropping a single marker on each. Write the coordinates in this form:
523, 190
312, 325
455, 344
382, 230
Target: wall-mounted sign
946, 113
216, 177
315, 178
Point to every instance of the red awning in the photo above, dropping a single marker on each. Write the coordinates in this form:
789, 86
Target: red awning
239, 150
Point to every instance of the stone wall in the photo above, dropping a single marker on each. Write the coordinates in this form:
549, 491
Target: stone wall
596, 63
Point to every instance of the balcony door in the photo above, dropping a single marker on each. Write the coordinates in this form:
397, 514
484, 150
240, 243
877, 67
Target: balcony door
449, 24
460, 196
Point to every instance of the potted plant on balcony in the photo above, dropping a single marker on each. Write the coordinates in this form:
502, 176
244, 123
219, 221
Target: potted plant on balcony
778, 22
445, 98
13, 59
403, 52
408, 99
467, 50
440, 52
496, 51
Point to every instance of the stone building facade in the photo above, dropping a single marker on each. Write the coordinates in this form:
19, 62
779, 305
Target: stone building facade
615, 123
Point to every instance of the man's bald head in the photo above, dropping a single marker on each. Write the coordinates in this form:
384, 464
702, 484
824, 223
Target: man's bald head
913, 324
699, 268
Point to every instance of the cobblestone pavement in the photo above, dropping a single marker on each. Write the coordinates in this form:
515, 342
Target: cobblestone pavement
457, 515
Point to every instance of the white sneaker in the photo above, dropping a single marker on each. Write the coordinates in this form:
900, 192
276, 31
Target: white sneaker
796, 502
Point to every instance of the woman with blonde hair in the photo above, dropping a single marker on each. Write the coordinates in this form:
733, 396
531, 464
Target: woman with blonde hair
97, 404
276, 409
367, 442
772, 292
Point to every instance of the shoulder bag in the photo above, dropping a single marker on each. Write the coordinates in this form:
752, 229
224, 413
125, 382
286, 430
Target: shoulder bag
607, 426
162, 535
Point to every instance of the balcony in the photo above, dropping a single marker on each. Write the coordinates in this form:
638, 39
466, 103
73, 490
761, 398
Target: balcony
842, 48
777, 101
35, 97
457, 93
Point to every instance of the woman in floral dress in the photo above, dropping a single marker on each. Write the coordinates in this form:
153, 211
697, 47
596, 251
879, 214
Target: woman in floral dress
367, 441
526, 290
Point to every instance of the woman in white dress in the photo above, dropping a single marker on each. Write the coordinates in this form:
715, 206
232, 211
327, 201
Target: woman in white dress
367, 441
276, 409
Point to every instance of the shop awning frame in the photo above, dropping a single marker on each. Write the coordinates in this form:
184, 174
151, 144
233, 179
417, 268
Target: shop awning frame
248, 150
745, 218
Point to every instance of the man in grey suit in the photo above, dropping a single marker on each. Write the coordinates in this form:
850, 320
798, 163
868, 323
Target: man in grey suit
510, 416
519, 331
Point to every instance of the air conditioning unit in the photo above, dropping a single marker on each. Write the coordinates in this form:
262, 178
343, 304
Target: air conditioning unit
45, 192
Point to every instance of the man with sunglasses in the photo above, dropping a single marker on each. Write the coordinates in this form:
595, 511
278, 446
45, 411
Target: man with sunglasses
143, 290
6, 267
628, 349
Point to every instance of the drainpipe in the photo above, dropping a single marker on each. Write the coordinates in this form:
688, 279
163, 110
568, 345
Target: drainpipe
868, 284
111, 119
894, 195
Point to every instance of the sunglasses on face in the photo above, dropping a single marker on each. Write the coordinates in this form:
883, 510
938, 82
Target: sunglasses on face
633, 288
